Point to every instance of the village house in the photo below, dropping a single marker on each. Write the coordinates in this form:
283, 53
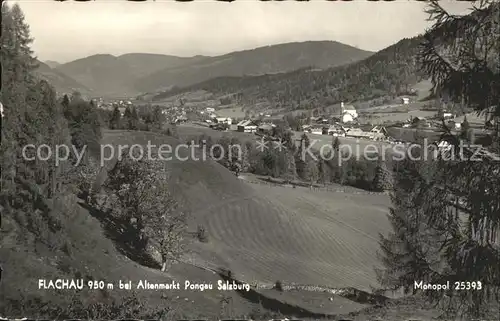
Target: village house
247, 126
316, 130
336, 130
358, 133
405, 100
266, 128
379, 133
223, 120
210, 109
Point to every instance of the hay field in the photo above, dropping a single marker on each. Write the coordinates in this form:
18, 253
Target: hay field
232, 111
295, 235
264, 233
393, 117
357, 146
187, 131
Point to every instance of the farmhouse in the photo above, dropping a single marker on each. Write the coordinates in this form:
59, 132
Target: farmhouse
358, 133
379, 133
316, 130
376, 133
349, 113
210, 109
247, 126
336, 130
405, 100
223, 120
266, 128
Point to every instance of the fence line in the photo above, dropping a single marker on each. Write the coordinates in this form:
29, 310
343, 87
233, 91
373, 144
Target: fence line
328, 189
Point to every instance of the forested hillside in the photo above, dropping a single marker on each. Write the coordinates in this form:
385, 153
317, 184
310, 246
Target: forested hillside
264, 60
60, 81
389, 72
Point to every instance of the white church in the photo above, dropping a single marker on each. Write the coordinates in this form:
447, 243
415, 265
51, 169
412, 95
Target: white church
348, 112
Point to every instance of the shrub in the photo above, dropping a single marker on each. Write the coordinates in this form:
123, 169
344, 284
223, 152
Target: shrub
278, 286
201, 234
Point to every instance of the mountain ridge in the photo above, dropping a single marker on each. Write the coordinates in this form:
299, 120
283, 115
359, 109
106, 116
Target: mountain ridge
135, 73
389, 72
276, 58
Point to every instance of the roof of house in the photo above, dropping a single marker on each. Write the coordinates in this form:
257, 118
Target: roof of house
246, 122
266, 126
349, 107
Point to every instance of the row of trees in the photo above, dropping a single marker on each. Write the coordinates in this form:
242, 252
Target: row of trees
134, 118
292, 162
34, 115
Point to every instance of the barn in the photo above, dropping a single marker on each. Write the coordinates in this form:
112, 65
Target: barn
247, 126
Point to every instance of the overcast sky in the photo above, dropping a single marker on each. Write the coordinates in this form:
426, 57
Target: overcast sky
65, 31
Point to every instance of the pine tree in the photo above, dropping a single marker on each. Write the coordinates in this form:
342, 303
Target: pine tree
133, 121
32, 116
300, 159
436, 239
157, 117
114, 122
382, 180
336, 144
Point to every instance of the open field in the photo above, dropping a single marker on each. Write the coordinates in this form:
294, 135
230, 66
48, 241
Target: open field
384, 116
292, 235
187, 131
356, 146
266, 234
232, 111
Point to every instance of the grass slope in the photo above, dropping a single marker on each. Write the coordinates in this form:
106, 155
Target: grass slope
266, 234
